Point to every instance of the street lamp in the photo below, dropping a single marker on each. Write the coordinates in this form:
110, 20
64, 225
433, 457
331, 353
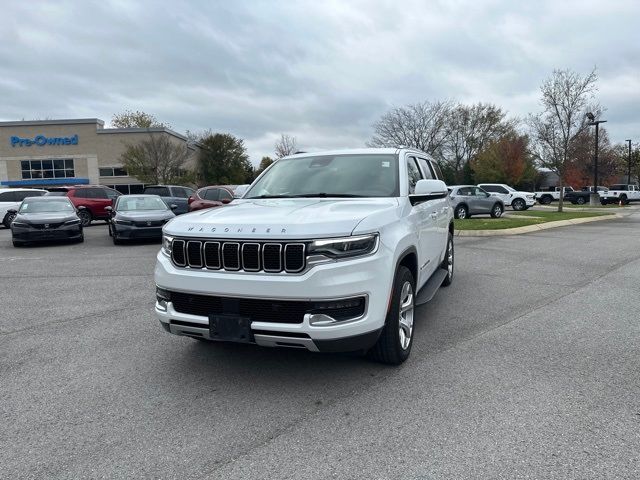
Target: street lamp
629, 164
594, 198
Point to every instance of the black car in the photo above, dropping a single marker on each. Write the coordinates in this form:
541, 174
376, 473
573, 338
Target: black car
138, 217
46, 219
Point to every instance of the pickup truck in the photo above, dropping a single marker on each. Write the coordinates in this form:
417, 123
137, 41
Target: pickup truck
552, 194
621, 192
328, 252
583, 196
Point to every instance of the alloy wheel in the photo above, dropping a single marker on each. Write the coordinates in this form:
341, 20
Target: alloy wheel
406, 315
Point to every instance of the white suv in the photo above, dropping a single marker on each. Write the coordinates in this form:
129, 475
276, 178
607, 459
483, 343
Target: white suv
11, 198
510, 196
328, 251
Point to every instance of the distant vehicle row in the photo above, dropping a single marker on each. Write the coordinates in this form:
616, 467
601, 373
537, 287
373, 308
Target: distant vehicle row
618, 193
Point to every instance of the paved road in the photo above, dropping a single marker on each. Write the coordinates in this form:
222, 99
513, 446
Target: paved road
527, 367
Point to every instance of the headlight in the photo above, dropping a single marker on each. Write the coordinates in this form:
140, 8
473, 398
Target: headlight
123, 222
344, 247
166, 245
73, 222
20, 224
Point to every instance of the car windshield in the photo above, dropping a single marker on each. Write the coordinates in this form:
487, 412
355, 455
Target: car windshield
50, 206
356, 175
130, 204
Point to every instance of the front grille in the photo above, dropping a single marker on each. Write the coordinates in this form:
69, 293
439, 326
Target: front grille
261, 310
271, 257
41, 226
151, 223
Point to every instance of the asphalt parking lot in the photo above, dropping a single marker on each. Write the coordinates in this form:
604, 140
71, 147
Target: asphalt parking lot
527, 367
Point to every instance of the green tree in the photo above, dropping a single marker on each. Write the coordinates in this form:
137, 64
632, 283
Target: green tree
223, 160
137, 119
506, 160
157, 160
264, 163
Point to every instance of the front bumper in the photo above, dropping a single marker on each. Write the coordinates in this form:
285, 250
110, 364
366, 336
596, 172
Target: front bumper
132, 232
370, 277
43, 235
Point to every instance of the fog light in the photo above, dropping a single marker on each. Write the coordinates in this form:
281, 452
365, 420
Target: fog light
337, 305
161, 304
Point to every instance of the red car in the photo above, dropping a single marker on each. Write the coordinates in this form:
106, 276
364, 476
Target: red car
90, 200
208, 197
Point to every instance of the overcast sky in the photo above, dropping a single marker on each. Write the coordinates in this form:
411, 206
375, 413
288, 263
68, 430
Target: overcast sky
322, 71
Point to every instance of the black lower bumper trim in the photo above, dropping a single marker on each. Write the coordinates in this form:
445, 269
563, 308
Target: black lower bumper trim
349, 344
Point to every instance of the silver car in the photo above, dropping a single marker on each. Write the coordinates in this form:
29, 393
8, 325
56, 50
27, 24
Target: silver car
470, 200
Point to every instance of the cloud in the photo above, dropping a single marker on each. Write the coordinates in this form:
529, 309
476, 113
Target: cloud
321, 71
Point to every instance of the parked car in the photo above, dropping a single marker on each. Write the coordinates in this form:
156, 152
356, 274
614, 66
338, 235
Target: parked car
551, 194
137, 217
468, 200
583, 196
172, 195
511, 197
209, 197
91, 201
624, 193
327, 252
240, 190
45, 219
11, 198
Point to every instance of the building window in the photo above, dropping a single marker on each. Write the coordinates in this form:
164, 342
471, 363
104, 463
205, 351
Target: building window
52, 168
113, 172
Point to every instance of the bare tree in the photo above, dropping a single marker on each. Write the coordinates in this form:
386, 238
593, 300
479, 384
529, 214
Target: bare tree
421, 125
287, 145
566, 97
157, 160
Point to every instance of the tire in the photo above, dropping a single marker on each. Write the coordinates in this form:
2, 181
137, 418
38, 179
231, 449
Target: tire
116, 241
519, 204
461, 212
17, 244
393, 347
109, 228
448, 262
623, 199
81, 239
85, 217
8, 218
545, 200
497, 210
603, 202
580, 201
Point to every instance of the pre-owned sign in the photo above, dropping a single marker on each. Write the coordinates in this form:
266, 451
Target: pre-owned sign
42, 140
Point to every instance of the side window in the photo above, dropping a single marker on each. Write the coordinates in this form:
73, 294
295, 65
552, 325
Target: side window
161, 191
436, 169
97, 193
490, 188
211, 194
413, 174
497, 189
8, 197
426, 169
224, 195
22, 195
465, 191
112, 194
82, 193
478, 192
180, 192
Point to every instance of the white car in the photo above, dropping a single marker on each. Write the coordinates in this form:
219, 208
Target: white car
621, 193
11, 198
327, 252
510, 196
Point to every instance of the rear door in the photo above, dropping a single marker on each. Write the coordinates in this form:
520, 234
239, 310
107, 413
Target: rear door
498, 191
431, 170
180, 197
482, 201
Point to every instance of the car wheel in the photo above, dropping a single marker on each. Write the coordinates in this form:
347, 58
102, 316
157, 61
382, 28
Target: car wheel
497, 210
623, 199
461, 212
545, 200
448, 262
81, 239
116, 241
395, 341
18, 244
109, 228
8, 218
580, 201
519, 204
85, 217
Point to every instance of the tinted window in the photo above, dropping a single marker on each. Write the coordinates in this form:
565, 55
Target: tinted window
22, 195
224, 195
436, 170
497, 189
477, 191
490, 188
97, 193
211, 194
180, 192
413, 174
82, 193
111, 193
162, 191
8, 197
465, 191
426, 169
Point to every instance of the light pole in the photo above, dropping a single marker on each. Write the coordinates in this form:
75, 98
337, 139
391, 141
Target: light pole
629, 164
594, 198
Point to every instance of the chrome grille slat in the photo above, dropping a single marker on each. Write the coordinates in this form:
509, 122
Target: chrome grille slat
269, 257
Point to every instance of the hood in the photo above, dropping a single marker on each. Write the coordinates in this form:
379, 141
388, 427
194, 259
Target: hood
145, 215
280, 218
54, 217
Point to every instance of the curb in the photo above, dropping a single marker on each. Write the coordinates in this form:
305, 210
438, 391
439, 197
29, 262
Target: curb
534, 228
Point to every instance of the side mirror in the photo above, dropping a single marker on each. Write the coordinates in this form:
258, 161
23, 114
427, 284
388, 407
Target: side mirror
428, 190
12, 211
173, 206
109, 209
81, 208
226, 201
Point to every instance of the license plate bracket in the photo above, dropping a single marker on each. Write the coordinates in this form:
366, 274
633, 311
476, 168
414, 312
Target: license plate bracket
230, 328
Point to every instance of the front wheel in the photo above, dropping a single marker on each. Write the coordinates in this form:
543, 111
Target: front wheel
447, 263
545, 200
85, 217
394, 344
461, 212
580, 201
519, 204
8, 218
496, 211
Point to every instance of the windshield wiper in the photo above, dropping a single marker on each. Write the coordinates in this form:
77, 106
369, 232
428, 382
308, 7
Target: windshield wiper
325, 195
270, 196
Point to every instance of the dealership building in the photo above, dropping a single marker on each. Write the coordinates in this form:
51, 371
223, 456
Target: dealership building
48, 153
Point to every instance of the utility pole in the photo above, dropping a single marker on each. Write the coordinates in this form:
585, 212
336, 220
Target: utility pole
594, 198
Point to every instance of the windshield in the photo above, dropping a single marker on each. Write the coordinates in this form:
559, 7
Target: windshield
52, 206
140, 203
363, 175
